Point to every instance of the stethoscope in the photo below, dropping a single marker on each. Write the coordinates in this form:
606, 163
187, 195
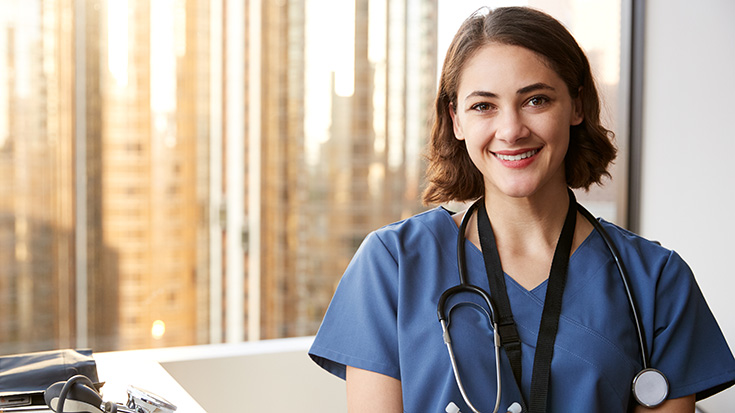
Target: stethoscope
83, 395
650, 386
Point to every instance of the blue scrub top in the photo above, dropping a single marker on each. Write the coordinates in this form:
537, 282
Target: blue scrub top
383, 318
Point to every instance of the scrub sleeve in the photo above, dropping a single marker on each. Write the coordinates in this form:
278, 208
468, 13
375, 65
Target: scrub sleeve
686, 343
360, 327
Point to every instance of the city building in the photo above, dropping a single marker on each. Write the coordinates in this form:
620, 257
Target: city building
119, 119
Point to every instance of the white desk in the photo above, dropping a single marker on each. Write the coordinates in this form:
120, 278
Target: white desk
263, 376
120, 369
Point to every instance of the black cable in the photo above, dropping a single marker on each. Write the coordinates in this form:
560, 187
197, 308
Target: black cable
461, 260
624, 276
67, 387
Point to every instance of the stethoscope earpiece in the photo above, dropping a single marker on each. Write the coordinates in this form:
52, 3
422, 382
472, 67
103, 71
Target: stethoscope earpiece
650, 387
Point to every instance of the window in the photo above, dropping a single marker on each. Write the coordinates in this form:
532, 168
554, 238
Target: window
123, 123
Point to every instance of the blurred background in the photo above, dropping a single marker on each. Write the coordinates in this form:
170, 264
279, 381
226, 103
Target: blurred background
176, 172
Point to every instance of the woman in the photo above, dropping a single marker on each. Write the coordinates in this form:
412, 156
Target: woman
517, 125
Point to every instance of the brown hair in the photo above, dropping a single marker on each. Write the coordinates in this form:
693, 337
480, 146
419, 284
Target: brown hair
450, 173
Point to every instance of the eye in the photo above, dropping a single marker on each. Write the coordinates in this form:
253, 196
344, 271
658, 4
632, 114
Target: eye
536, 101
481, 107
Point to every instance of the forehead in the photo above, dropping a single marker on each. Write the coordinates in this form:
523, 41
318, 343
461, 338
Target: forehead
496, 66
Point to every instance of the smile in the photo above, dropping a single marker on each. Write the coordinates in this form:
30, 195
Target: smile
517, 157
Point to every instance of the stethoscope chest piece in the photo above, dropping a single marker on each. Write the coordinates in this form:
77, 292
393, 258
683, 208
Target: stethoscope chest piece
143, 401
650, 387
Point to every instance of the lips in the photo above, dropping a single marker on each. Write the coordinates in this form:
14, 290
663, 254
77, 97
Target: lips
513, 157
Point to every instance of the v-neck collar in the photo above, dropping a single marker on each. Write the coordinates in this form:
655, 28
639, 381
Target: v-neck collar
538, 291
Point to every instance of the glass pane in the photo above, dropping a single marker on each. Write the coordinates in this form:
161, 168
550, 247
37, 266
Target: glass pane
370, 79
112, 218
36, 180
104, 173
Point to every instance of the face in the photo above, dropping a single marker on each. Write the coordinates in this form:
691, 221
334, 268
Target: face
514, 114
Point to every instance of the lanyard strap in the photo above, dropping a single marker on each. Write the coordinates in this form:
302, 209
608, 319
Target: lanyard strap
552, 304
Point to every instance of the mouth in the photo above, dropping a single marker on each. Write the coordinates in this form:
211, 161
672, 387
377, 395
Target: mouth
516, 157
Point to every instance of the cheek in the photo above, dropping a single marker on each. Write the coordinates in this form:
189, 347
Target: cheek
475, 147
479, 132
561, 143
553, 130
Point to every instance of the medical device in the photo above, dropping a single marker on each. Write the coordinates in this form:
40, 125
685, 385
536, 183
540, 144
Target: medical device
79, 395
650, 387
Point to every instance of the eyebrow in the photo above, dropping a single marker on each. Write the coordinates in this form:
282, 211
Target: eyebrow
522, 91
534, 87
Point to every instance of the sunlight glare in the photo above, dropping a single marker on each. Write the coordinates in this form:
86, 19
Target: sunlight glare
117, 40
158, 329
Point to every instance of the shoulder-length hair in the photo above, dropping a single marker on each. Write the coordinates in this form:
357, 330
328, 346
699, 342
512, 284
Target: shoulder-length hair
451, 175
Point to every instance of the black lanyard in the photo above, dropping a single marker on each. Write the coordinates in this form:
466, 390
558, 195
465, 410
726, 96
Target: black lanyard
552, 304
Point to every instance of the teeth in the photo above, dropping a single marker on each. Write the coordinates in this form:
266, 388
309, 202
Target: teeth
517, 157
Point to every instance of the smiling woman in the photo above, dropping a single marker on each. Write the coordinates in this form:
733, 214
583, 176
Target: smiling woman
601, 29
516, 127
514, 115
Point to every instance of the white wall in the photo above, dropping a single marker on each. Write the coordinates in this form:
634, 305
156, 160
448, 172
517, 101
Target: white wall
688, 188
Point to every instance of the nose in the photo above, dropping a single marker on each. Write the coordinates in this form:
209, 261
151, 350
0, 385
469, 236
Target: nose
510, 126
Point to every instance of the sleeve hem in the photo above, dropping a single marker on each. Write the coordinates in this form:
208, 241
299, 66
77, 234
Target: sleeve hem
705, 388
335, 362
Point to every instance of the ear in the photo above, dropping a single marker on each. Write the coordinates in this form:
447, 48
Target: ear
577, 109
455, 123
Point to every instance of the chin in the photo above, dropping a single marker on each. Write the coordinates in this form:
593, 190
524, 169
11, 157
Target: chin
527, 186
525, 189
517, 191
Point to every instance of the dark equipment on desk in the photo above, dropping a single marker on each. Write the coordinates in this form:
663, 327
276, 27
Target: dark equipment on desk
25, 377
79, 395
76, 395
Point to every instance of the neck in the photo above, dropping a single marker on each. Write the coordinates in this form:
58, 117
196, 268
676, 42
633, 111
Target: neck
528, 223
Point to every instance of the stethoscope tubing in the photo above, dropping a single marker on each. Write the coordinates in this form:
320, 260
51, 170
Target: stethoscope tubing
455, 368
465, 286
626, 281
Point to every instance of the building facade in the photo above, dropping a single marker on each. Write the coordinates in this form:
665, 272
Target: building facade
110, 219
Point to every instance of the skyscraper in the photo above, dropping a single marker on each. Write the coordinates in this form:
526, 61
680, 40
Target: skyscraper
367, 172
150, 209
36, 211
106, 141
